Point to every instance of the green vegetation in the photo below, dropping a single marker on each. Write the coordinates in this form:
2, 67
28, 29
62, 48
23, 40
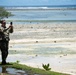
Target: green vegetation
17, 62
46, 67
4, 13
32, 71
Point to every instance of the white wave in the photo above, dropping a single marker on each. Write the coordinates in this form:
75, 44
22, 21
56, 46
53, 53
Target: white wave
26, 7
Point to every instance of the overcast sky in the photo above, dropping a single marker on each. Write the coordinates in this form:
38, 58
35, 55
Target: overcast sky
36, 2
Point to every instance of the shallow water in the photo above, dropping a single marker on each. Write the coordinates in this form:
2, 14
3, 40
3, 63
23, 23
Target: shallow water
40, 49
25, 16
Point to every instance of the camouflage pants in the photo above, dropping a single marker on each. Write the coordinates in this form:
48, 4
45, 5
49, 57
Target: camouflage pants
4, 50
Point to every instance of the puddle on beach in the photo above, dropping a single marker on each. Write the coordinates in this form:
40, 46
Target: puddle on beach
12, 71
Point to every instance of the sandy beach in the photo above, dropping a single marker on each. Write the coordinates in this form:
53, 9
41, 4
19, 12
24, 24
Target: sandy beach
36, 43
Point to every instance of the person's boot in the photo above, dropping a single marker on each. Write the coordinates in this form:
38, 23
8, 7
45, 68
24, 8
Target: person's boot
3, 63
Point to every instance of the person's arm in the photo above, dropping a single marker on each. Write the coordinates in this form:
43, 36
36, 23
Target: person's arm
5, 29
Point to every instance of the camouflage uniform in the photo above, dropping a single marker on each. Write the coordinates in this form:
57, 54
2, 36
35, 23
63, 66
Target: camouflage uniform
4, 42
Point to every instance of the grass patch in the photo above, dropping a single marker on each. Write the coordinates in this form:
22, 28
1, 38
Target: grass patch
32, 71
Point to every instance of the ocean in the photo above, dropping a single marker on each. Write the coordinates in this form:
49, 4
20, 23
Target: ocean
24, 15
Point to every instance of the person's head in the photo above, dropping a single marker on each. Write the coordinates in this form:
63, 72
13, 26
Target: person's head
3, 23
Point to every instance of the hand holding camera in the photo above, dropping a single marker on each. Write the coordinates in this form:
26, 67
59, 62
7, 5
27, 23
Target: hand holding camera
11, 27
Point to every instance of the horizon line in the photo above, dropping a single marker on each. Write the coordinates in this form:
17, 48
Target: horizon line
38, 6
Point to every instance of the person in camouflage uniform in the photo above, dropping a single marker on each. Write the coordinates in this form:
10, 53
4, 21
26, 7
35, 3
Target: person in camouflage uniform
4, 41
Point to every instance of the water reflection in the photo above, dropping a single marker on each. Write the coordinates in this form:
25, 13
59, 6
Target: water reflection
4, 70
12, 71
